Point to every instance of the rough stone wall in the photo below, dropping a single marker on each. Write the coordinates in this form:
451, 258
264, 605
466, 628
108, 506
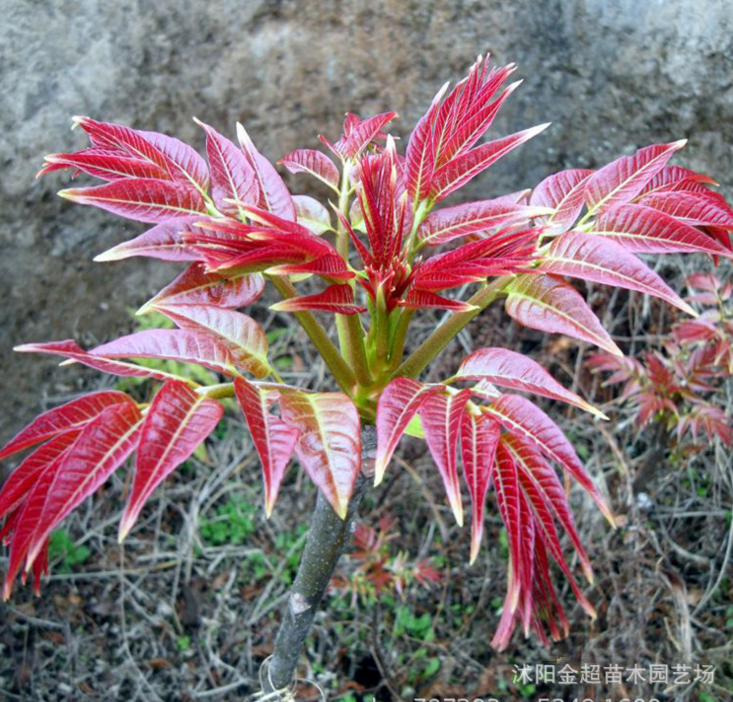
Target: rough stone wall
612, 75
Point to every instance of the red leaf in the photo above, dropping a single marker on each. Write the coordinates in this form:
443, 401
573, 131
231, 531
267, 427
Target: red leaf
589, 257
245, 338
441, 421
474, 122
311, 214
184, 163
116, 137
623, 179
314, 163
329, 445
672, 178
504, 252
421, 156
277, 230
107, 165
359, 133
467, 166
273, 195
72, 415
642, 229
177, 421
397, 405
100, 449
25, 522
335, 298
516, 371
173, 344
563, 192
479, 438
549, 304
20, 482
704, 281
424, 299
508, 498
524, 419
547, 497
197, 287
232, 177
274, 440
69, 349
164, 241
141, 199
451, 223
331, 267
689, 208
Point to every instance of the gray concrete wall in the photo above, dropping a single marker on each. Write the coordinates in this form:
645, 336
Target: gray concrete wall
611, 75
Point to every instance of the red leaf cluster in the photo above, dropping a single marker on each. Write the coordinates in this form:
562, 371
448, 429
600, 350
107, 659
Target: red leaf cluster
678, 386
234, 223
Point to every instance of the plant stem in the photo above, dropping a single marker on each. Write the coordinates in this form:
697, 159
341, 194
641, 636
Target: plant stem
421, 357
327, 539
351, 335
341, 372
350, 331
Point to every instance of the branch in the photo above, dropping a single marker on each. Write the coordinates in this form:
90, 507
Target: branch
422, 356
341, 372
327, 539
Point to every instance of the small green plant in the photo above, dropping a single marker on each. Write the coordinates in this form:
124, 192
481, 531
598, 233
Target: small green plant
183, 643
61, 547
234, 523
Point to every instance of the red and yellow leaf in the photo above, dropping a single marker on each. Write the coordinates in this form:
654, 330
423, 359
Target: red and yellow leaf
70, 416
315, 163
441, 421
21, 481
397, 405
623, 179
273, 194
70, 350
141, 199
98, 451
516, 371
526, 420
549, 304
601, 260
197, 287
274, 440
177, 421
329, 442
164, 241
465, 167
450, 223
244, 337
479, 439
183, 345
641, 229
232, 177
335, 298
563, 192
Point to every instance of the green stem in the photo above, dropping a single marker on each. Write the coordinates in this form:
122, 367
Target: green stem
350, 331
400, 335
352, 346
420, 214
339, 368
421, 357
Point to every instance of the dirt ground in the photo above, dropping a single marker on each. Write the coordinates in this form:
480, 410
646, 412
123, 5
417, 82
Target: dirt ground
189, 608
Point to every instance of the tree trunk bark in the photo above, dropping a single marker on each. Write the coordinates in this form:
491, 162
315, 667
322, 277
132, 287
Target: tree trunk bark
327, 539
